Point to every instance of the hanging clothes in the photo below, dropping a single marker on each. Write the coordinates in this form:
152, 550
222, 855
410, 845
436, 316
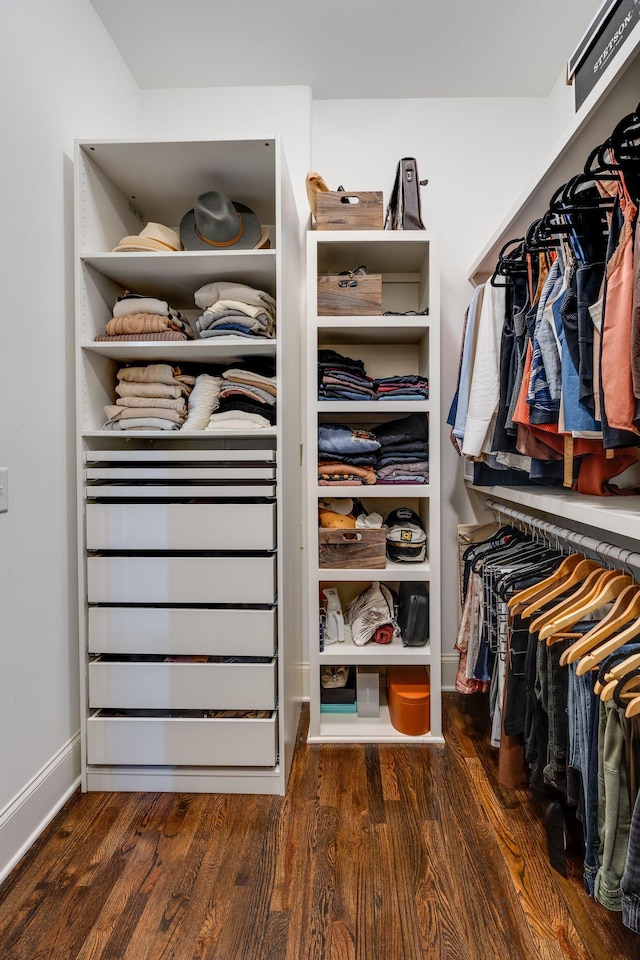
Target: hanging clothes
535, 622
546, 386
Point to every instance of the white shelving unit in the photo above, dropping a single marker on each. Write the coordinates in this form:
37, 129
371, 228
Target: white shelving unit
388, 345
185, 546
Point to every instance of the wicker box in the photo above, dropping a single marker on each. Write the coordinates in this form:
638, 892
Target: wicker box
360, 296
349, 211
352, 549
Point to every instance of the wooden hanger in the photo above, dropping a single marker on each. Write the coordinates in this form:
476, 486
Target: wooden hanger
588, 599
609, 646
529, 593
620, 670
580, 573
606, 690
628, 691
588, 650
633, 708
609, 586
629, 687
584, 577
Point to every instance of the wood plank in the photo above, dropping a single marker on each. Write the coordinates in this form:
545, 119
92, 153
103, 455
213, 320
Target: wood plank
381, 852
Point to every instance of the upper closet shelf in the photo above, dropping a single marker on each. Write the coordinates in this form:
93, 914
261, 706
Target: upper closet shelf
175, 276
158, 181
617, 515
615, 94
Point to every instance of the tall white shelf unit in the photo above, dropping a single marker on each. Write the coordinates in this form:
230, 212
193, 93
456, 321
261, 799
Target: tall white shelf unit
388, 345
185, 548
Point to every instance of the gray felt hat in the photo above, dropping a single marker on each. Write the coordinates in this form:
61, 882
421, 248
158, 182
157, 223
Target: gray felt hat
217, 223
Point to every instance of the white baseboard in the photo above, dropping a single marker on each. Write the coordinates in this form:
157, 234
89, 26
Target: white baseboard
449, 663
25, 817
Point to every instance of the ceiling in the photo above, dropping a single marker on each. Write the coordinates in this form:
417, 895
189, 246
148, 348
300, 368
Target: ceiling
351, 49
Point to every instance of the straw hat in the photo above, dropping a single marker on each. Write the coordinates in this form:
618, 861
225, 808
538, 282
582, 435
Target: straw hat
154, 237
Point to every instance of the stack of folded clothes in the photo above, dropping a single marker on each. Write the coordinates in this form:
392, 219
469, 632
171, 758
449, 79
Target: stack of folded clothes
136, 317
409, 387
341, 378
150, 397
346, 455
235, 310
247, 398
204, 399
403, 456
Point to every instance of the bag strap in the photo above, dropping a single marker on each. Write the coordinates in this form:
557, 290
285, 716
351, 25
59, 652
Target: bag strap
392, 206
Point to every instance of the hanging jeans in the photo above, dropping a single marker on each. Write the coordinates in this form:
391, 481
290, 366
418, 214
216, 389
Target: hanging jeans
554, 680
613, 805
583, 756
589, 281
630, 883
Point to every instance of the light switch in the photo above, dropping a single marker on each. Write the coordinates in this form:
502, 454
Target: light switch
4, 489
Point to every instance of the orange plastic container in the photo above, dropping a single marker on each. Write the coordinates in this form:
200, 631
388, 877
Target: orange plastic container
409, 696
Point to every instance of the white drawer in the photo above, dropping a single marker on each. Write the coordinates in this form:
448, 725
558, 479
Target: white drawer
199, 473
182, 686
161, 630
181, 526
181, 741
177, 491
225, 454
188, 580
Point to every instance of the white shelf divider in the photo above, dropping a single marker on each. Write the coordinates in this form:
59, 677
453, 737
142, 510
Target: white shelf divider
388, 345
119, 186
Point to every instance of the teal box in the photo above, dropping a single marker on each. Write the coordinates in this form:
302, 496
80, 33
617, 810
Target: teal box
338, 708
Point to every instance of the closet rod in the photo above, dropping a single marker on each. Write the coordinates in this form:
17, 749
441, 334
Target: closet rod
602, 549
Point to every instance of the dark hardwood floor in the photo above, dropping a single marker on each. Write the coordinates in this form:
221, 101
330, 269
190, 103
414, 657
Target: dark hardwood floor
376, 853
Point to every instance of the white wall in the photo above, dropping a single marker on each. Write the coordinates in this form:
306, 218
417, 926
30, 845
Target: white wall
477, 155
61, 78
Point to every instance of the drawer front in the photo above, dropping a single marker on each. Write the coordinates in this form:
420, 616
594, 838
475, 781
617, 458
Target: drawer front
182, 686
173, 474
157, 630
161, 457
182, 742
181, 526
176, 491
181, 580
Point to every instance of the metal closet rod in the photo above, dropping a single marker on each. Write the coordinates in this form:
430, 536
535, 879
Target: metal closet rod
601, 548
